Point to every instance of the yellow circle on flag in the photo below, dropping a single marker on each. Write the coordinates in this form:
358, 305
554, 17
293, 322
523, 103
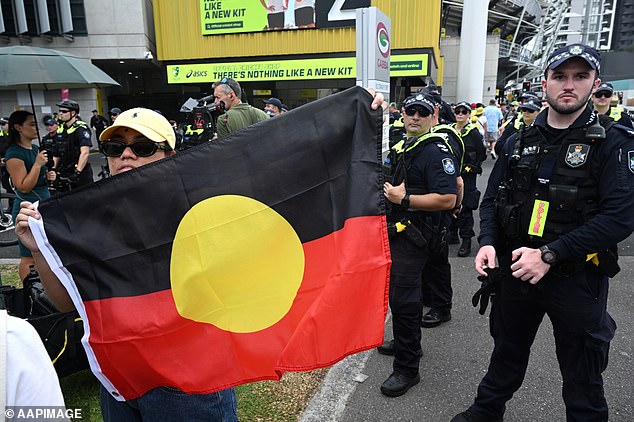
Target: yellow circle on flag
236, 264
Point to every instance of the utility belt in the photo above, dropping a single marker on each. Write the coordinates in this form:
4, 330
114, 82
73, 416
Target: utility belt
419, 229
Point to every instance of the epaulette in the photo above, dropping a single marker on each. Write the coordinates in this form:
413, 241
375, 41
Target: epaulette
626, 129
443, 147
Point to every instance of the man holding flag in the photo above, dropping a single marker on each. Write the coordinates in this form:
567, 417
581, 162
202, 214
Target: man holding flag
165, 328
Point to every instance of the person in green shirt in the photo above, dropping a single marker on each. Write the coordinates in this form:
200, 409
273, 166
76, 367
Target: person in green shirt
238, 115
27, 168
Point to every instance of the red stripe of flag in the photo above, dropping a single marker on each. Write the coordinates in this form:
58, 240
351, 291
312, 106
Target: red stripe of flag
340, 288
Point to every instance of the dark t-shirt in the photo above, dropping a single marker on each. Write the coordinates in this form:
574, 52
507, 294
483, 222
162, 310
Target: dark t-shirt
40, 191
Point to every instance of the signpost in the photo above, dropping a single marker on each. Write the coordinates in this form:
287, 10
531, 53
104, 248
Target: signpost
373, 56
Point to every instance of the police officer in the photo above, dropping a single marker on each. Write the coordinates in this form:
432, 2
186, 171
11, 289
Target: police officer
74, 146
602, 104
475, 154
528, 111
422, 183
556, 205
51, 140
436, 274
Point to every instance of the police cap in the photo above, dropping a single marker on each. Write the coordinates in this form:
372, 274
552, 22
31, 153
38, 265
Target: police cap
532, 104
582, 51
605, 87
274, 101
419, 99
69, 104
463, 104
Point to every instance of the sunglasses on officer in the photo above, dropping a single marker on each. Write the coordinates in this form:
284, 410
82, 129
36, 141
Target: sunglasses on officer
604, 94
462, 111
422, 111
141, 148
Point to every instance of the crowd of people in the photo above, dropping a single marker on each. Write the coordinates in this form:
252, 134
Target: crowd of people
557, 202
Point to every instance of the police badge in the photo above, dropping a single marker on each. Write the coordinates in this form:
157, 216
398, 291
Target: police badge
630, 159
447, 166
577, 155
575, 50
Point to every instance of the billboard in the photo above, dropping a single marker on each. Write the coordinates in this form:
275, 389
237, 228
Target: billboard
237, 16
291, 70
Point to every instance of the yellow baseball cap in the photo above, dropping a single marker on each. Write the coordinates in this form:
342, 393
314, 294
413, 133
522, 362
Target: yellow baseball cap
148, 122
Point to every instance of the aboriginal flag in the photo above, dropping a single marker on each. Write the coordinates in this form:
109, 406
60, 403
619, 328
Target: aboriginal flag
235, 261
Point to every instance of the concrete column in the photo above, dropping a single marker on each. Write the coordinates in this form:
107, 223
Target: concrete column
472, 51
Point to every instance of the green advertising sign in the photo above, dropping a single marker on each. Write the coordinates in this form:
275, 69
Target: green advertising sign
290, 70
233, 16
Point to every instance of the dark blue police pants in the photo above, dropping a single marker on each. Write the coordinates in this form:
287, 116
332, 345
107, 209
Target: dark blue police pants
583, 329
464, 224
436, 279
405, 294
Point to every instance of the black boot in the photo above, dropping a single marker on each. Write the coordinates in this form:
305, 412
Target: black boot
465, 247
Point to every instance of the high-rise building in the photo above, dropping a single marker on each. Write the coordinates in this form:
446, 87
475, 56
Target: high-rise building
589, 22
623, 37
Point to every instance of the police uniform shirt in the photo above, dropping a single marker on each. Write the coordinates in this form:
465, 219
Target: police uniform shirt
434, 169
473, 142
77, 138
612, 166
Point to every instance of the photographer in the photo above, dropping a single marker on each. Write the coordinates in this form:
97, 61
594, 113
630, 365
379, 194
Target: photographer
238, 115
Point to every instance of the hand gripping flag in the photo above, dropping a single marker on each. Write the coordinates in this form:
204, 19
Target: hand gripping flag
260, 253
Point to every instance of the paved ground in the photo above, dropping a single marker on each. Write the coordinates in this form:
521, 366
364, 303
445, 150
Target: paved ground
456, 357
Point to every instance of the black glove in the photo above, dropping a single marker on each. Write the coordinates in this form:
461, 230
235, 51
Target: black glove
487, 289
75, 176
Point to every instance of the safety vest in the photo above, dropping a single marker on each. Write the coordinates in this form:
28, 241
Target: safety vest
469, 156
401, 155
535, 213
615, 113
454, 140
67, 146
519, 121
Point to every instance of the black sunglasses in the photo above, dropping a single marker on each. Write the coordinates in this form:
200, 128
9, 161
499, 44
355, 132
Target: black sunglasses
143, 148
463, 111
603, 94
64, 111
410, 111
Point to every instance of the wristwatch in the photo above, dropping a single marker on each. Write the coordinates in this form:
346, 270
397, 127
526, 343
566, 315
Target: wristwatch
548, 255
405, 201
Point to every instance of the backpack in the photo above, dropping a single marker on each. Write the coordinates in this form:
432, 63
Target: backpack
61, 332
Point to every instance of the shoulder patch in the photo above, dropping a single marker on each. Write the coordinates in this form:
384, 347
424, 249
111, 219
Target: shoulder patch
577, 154
448, 166
630, 160
86, 134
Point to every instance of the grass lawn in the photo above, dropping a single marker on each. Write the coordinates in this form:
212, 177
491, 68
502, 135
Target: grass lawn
265, 401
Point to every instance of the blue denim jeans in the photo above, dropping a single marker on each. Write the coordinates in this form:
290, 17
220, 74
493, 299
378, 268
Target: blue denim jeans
169, 404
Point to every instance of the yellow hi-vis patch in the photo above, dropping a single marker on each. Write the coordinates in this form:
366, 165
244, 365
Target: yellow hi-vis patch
538, 218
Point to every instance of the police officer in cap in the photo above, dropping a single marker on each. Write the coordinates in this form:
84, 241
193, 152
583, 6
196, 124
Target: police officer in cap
474, 155
422, 183
601, 102
557, 203
71, 159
